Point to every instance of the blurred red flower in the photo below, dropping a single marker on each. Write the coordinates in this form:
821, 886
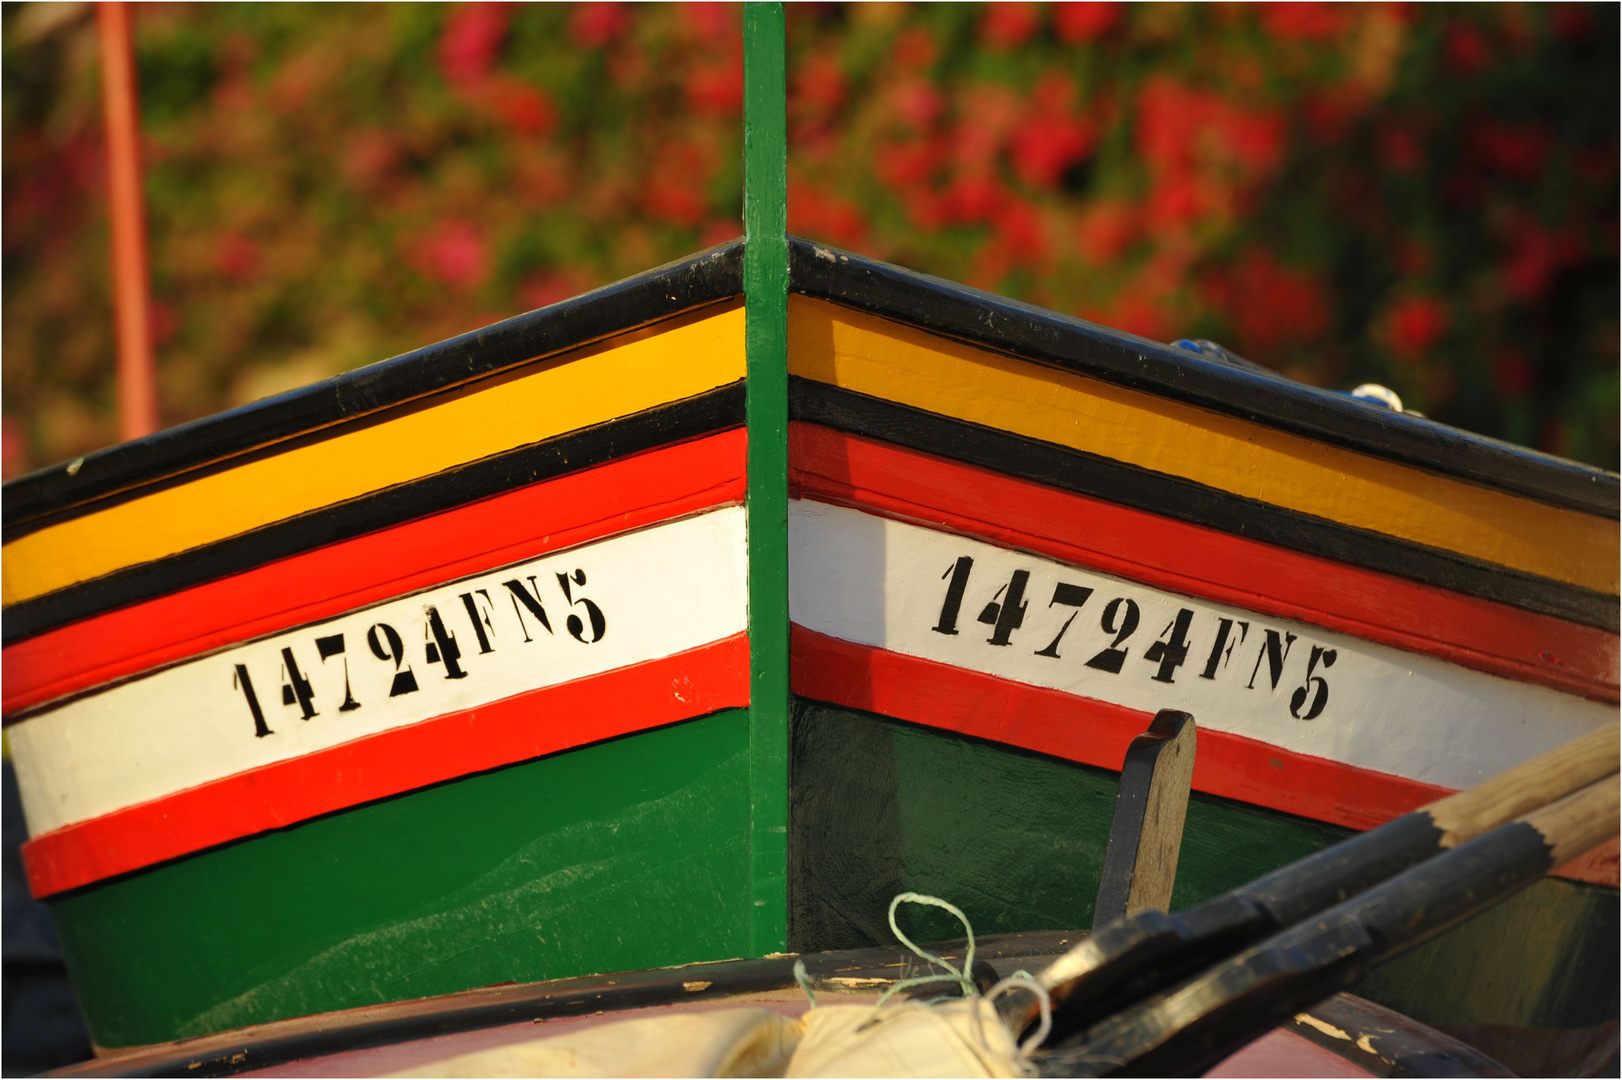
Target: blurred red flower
817, 214
1514, 374
236, 257
903, 166
1050, 139
1175, 201
1270, 305
525, 109
1466, 49
13, 447
1010, 24
1079, 22
974, 199
1520, 151
549, 286
1108, 227
452, 252
471, 41
1415, 325
713, 22
716, 89
1535, 255
818, 86
916, 101
914, 49
1572, 21
1308, 20
596, 23
676, 190
1399, 147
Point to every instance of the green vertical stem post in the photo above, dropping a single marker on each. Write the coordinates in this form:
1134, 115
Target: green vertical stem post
765, 287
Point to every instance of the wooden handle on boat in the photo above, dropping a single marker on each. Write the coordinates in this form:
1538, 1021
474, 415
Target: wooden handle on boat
1580, 821
1529, 785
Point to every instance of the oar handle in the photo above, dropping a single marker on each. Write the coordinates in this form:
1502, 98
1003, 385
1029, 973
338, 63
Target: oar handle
1580, 821
1183, 1030
1529, 785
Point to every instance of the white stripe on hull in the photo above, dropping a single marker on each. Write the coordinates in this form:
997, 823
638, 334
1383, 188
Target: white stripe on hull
890, 585
609, 604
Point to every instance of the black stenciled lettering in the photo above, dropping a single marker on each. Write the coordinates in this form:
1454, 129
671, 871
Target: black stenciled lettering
443, 648
1006, 617
295, 687
390, 647
1275, 652
329, 647
1222, 648
240, 680
1112, 658
532, 603
577, 628
1072, 596
1320, 692
1171, 651
959, 573
479, 615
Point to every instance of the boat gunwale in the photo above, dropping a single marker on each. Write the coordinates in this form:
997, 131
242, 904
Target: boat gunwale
710, 276
1037, 335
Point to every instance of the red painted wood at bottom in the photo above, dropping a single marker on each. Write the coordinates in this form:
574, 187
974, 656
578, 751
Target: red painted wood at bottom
1094, 732
646, 695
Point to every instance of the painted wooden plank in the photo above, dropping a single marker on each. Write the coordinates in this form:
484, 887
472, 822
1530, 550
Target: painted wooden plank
884, 359
458, 647
1146, 830
1049, 337
691, 418
765, 284
646, 695
618, 856
549, 516
961, 602
588, 386
668, 291
1092, 732
834, 466
1181, 499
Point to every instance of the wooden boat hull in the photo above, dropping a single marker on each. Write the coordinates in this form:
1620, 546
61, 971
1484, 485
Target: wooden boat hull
438, 675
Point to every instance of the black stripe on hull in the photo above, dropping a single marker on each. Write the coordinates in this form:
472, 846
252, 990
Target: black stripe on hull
1047, 337
1175, 497
705, 278
697, 416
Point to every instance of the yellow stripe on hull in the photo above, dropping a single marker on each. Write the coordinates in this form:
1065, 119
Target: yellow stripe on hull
888, 360
578, 389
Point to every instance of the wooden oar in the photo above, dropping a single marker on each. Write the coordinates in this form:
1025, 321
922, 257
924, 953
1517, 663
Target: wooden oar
1182, 1031
1141, 954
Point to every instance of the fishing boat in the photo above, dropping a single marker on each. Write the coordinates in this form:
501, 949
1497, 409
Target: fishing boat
437, 674
695, 617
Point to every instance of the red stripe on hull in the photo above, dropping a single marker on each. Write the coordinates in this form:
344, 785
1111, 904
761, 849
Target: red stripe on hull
1096, 733
548, 516
1197, 561
619, 702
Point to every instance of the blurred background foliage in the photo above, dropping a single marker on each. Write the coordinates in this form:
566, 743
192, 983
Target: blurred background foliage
1423, 196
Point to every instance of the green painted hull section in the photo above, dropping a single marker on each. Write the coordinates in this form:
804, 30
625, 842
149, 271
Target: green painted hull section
1017, 840
1545, 958
624, 855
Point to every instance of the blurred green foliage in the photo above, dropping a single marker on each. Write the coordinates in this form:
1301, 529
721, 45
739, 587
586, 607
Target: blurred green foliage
1424, 196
